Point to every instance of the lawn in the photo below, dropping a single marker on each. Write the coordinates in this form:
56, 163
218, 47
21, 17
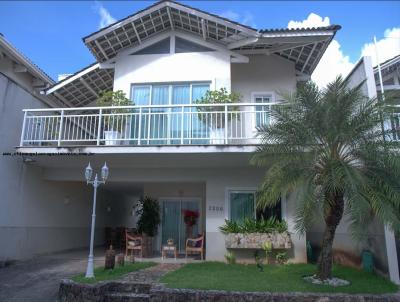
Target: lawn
279, 278
102, 275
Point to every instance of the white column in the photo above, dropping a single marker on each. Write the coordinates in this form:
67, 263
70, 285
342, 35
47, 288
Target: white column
391, 254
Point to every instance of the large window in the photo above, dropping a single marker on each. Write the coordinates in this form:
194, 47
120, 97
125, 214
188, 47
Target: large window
242, 205
163, 124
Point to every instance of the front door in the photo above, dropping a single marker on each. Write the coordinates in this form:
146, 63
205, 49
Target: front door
173, 225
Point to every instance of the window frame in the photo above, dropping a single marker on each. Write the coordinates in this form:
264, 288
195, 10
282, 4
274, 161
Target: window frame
170, 86
255, 94
170, 89
228, 192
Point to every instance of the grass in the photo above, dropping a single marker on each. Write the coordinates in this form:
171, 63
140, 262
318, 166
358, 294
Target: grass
279, 278
102, 275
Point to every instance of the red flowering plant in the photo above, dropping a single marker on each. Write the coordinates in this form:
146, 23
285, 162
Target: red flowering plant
190, 217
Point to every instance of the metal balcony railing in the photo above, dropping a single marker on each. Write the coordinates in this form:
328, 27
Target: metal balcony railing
145, 125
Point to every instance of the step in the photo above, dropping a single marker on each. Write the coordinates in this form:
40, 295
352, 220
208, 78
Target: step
126, 297
128, 287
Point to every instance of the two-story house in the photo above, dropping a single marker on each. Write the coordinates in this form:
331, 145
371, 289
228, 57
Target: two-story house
188, 156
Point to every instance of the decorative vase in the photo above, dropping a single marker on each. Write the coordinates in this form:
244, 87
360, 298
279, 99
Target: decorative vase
110, 258
147, 246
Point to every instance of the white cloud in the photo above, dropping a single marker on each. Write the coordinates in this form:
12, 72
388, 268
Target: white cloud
388, 47
313, 20
334, 61
105, 16
245, 17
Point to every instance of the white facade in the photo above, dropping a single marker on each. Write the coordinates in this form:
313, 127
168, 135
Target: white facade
213, 67
258, 65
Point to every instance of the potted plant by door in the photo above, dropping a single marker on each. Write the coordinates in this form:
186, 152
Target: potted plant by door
148, 211
216, 122
113, 123
190, 219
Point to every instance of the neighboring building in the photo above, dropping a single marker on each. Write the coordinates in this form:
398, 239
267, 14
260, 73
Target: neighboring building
164, 58
34, 217
380, 240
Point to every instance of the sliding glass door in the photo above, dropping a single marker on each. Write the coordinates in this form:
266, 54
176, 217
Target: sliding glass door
173, 225
169, 125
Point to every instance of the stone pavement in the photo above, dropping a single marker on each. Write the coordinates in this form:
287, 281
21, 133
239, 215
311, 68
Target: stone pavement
151, 274
38, 279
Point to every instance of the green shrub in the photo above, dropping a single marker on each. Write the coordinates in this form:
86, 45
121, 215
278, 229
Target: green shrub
282, 257
254, 226
221, 96
230, 258
148, 211
267, 247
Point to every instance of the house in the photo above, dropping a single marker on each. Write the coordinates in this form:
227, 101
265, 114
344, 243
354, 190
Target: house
33, 216
381, 240
166, 146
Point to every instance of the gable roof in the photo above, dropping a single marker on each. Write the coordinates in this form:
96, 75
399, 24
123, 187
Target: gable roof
388, 66
40, 78
303, 46
162, 16
169, 15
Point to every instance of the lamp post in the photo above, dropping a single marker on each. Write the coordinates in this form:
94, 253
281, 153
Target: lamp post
95, 183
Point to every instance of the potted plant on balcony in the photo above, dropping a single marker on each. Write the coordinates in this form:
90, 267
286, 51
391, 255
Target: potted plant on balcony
216, 122
148, 211
112, 122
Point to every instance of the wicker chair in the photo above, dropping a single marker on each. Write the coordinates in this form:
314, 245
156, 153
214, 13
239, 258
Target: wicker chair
195, 245
133, 243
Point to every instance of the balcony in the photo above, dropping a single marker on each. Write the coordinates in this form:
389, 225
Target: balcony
155, 125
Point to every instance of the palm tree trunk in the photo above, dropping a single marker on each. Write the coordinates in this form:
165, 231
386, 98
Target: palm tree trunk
333, 214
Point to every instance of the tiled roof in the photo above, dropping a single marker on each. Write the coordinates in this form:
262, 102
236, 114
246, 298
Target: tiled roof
303, 46
305, 29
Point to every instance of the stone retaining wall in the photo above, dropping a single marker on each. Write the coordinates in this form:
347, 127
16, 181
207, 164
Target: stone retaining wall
75, 292
256, 240
187, 295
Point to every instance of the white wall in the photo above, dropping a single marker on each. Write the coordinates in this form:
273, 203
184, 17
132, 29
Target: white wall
217, 180
34, 218
263, 74
363, 71
182, 67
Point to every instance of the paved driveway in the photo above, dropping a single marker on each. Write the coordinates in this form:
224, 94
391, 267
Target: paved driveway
37, 280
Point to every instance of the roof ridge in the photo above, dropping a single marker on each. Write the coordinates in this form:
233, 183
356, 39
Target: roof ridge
27, 59
171, 1
285, 29
387, 61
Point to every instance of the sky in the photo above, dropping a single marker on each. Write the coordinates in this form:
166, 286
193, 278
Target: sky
50, 32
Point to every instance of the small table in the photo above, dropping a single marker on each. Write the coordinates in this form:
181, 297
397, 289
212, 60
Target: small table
167, 249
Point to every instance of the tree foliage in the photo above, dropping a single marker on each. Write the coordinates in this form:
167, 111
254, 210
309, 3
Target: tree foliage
327, 150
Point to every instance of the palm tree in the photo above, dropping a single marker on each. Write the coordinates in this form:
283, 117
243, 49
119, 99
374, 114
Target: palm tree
327, 149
